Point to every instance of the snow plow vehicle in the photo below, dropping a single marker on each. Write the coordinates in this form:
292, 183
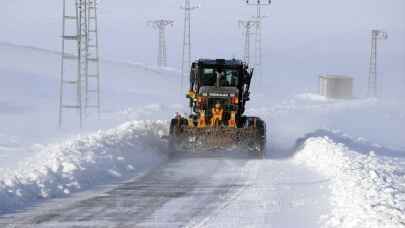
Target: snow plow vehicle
218, 93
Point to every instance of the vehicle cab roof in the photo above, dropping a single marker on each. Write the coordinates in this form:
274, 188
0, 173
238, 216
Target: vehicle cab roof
218, 63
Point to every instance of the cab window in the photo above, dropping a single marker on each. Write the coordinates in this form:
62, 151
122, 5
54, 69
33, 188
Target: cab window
231, 78
208, 77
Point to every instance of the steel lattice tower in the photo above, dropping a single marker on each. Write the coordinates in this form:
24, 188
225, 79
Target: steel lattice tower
72, 57
83, 47
161, 25
259, 4
92, 99
373, 79
247, 26
79, 48
186, 57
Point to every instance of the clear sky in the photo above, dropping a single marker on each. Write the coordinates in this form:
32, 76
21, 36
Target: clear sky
301, 38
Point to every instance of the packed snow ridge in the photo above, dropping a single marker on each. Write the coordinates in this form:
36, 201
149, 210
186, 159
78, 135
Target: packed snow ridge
368, 186
61, 169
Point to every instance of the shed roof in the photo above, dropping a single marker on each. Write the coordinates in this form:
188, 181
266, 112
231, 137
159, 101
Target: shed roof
336, 77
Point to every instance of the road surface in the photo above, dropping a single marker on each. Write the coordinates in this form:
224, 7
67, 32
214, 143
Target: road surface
193, 191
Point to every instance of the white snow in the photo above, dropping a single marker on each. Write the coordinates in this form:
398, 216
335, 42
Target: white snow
29, 100
360, 157
362, 152
38, 160
77, 164
379, 121
277, 193
368, 190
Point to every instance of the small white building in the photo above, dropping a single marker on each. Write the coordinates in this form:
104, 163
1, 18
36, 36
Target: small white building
336, 86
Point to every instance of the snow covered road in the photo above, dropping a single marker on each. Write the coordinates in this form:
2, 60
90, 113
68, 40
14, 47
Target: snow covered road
194, 191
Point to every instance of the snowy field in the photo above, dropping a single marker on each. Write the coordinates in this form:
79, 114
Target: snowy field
352, 152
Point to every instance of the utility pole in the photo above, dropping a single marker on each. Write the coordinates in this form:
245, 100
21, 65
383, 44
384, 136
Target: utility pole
186, 57
79, 48
373, 79
161, 25
247, 26
259, 4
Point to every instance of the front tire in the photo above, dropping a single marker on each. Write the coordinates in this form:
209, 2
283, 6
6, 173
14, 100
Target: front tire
176, 136
174, 130
259, 140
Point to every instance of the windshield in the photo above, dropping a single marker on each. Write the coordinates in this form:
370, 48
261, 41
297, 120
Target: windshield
229, 78
226, 78
208, 77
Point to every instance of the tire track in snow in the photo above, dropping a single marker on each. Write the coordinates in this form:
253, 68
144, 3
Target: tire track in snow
158, 199
251, 173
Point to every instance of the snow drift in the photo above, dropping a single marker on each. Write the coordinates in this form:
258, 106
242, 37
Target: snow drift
368, 187
60, 169
380, 121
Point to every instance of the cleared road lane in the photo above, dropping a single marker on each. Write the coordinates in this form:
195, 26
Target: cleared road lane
195, 191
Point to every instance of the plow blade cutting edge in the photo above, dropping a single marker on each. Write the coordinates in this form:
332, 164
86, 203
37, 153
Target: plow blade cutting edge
251, 139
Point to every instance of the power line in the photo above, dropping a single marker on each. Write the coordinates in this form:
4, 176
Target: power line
373, 77
186, 56
161, 25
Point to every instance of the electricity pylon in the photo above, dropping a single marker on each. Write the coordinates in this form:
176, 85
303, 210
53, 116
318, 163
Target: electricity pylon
93, 60
79, 20
373, 79
247, 26
186, 57
161, 25
259, 4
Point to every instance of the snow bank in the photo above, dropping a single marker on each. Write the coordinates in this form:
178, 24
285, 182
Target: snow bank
312, 97
368, 190
60, 169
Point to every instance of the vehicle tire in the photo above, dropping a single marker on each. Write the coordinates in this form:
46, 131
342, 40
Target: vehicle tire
173, 132
261, 138
258, 142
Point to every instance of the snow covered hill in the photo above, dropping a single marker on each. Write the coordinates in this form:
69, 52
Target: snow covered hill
30, 98
356, 146
378, 121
